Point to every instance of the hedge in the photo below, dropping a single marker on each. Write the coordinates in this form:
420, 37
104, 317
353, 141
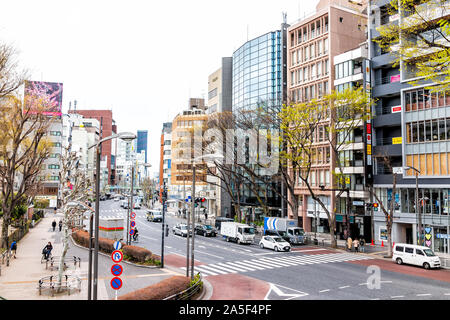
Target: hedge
160, 290
131, 253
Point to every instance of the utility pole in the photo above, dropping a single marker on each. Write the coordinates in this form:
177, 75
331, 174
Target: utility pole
164, 199
193, 220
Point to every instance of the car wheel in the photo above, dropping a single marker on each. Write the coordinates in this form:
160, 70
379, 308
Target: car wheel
228, 239
426, 265
276, 248
238, 241
399, 261
261, 246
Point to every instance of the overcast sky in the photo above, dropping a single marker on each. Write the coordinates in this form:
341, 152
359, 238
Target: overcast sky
142, 59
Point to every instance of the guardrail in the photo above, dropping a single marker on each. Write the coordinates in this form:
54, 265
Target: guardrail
55, 260
2, 261
67, 283
445, 262
189, 292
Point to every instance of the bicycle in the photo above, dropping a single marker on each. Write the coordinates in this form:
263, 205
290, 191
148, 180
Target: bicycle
135, 238
46, 259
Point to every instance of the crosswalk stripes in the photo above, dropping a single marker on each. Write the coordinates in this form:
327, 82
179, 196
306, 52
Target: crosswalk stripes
276, 262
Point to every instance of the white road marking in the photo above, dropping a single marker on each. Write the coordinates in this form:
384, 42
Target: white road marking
423, 294
394, 297
326, 290
344, 287
209, 254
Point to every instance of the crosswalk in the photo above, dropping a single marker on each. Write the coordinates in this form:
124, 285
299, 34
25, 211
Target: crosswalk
273, 263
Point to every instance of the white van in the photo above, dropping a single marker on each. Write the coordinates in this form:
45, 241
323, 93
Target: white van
416, 255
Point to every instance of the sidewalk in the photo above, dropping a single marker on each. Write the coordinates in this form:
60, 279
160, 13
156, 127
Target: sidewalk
19, 281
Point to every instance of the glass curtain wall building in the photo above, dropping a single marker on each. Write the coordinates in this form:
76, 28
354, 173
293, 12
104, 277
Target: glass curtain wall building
257, 72
259, 80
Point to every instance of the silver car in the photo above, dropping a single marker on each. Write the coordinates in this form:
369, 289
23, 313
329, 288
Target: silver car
181, 229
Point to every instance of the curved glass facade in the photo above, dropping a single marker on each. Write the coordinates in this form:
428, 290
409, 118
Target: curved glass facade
257, 72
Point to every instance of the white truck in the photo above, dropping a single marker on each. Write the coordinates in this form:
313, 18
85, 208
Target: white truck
238, 232
286, 228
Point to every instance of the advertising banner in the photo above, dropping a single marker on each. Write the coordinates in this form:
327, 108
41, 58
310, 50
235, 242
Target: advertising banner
48, 94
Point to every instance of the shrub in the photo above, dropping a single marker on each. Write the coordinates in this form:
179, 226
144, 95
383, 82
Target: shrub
131, 253
159, 291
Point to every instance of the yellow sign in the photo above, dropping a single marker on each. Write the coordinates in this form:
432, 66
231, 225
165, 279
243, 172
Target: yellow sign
369, 149
397, 140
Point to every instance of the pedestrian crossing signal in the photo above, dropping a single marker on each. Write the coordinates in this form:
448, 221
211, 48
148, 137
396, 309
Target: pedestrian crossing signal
375, 207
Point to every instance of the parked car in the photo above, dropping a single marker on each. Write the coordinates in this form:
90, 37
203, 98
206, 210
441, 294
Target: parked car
137, 205
415, 255
117, 198
102, 198
154, 215
274, 242
205, 230
181, 229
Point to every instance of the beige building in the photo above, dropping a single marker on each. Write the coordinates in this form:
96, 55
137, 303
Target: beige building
336, 27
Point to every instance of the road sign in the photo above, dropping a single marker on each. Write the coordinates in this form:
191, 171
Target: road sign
116, 270
131, 232
132, 215
117, 256
117, 245
133, 224
116, 283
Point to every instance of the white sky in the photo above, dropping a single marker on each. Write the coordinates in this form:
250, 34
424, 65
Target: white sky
143, 59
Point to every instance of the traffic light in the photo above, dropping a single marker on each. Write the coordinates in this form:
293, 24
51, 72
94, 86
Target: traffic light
375, 206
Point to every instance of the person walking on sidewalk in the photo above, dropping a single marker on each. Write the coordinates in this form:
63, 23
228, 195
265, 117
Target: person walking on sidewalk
14, 248
356, 244
361, 245
60, 225
349, 243
54, 225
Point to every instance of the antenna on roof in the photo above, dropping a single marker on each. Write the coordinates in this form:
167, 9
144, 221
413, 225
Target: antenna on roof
284, 17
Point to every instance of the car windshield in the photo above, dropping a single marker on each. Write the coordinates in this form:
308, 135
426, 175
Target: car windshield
429, 253
277, 239
249, 230
183, 227
282, 233
299, 232
208, 227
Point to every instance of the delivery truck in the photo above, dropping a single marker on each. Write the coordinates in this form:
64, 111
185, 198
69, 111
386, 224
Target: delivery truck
286, 228
238, 232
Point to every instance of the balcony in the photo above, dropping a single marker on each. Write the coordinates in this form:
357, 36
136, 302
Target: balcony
388, 146
387, 120
389, 85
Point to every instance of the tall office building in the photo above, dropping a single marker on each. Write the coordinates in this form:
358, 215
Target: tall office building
107, 128
141, 142
412, 129
259, 81
337, 26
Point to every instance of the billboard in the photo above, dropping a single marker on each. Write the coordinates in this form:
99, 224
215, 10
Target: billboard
49, 92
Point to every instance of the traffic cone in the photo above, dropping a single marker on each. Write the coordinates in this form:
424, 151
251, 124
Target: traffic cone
382, 244
393, 244
372, 244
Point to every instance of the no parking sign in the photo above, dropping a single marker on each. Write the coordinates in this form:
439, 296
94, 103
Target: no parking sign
116, 283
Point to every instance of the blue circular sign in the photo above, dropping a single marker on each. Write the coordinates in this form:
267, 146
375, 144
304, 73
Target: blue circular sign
133, 224
131, 232
116, 283
116, 270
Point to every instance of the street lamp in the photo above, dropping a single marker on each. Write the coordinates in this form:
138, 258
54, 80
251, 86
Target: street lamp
147, 165
126, 136
419, 216
210, 157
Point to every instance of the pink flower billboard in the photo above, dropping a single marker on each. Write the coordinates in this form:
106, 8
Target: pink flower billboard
48, 92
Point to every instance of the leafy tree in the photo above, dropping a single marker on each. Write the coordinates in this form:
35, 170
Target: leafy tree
420, 40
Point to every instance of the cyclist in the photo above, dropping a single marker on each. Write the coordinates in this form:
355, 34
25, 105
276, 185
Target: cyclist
135, 234
47, 250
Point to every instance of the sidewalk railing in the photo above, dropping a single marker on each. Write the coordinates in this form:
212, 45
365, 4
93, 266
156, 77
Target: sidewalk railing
445, 262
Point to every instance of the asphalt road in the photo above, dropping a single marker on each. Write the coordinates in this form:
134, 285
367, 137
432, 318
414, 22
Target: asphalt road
306, 273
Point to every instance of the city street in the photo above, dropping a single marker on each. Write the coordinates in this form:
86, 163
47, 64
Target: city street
307, 272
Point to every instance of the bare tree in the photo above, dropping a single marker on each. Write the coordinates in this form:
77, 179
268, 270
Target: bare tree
23, 150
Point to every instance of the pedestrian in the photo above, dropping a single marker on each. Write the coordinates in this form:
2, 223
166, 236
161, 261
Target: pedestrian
349, 243
60, 225
54, 210
179, 213
206, 216
14, 248
356, 244
361, 245
54, 225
